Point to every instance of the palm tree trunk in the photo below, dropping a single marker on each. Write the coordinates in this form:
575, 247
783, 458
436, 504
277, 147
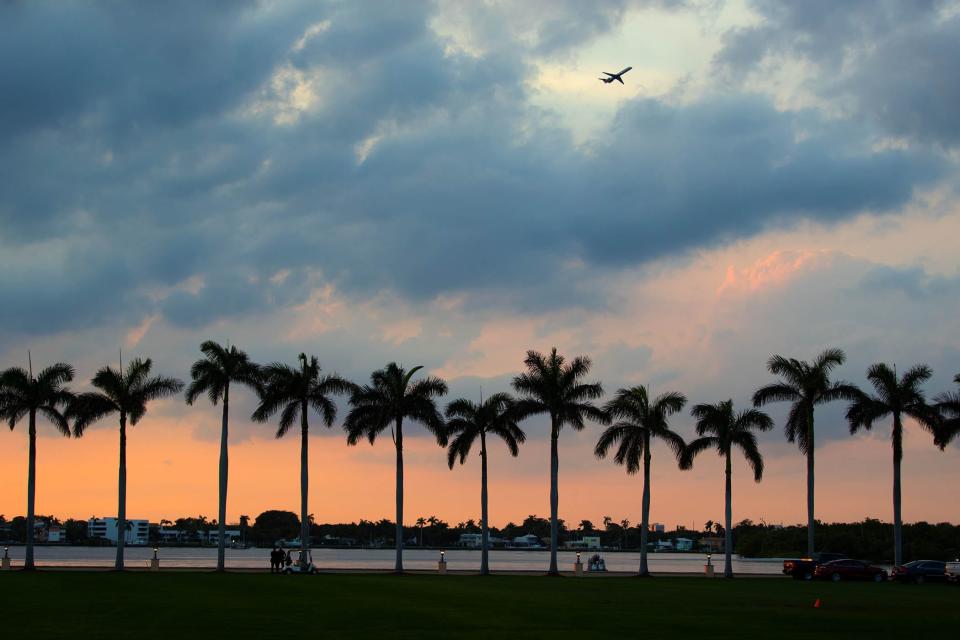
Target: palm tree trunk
398, 439
304, 488
554, 497
645, 507
222, 511
484, 531
728, 532
897, 520
810, 478
122, 494
31, 489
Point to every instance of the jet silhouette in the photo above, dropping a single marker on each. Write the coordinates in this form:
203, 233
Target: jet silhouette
615, 76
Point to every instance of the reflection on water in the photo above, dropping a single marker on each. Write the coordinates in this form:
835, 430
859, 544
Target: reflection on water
457, 559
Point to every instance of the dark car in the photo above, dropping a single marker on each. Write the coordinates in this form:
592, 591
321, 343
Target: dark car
802, 569
849, 570
920, 571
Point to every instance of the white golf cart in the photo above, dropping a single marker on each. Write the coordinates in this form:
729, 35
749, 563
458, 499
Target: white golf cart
299, 566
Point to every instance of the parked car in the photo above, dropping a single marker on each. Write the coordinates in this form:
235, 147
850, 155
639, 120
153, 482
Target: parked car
920, 571
838, 570
802, 569
952, 571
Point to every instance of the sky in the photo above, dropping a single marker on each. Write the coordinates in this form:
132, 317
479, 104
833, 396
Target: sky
447, 184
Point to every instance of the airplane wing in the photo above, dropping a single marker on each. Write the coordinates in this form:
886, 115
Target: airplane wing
612, 75
620, 79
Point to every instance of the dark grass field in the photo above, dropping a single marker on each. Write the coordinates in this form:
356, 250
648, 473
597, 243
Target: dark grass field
187, 605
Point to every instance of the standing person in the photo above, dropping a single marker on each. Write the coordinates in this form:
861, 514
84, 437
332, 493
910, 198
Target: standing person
273, 560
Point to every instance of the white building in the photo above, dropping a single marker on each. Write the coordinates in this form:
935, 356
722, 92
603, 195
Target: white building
181, 536
684, 544
586, 542
470, 540
138, 531
528, 541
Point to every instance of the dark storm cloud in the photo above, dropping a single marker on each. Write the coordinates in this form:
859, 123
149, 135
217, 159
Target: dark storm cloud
896, 61
158, 160
132, 66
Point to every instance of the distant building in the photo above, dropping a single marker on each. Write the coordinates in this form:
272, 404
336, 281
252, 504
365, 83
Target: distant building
55, 533
712, 543
658, 527
181, 536
683, 544
663, 545
585, 542
138, 531
470, 540
528, 541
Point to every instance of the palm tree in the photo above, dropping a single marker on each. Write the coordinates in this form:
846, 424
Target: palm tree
212, 375
387, 401
125, 393
244, 525
720, 428
805, 385
638, 422
21, 395
896, 398
554, 387
948, 404
625, 524
467, 421
293, 392
421, 521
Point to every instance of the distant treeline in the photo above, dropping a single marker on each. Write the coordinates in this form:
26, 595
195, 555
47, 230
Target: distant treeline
870, 539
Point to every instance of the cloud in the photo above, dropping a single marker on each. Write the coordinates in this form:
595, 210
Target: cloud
912, 281
890, 60
149, 172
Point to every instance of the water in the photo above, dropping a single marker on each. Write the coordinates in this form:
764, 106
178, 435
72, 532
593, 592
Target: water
383, 559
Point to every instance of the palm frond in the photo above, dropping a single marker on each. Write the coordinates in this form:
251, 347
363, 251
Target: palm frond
460, 447
611, 436
288, 417
55, 375
776, 392
695, 448
753, 419
863, 412
747, 442
829, 359
839, 390
88, 408
915, 376
56, 418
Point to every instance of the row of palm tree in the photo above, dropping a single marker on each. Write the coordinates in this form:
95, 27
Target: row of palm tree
550, 386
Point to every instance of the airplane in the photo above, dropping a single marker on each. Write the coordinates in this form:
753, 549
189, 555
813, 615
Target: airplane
615, 76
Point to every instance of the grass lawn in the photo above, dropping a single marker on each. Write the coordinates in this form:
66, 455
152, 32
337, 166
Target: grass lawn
186, 605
